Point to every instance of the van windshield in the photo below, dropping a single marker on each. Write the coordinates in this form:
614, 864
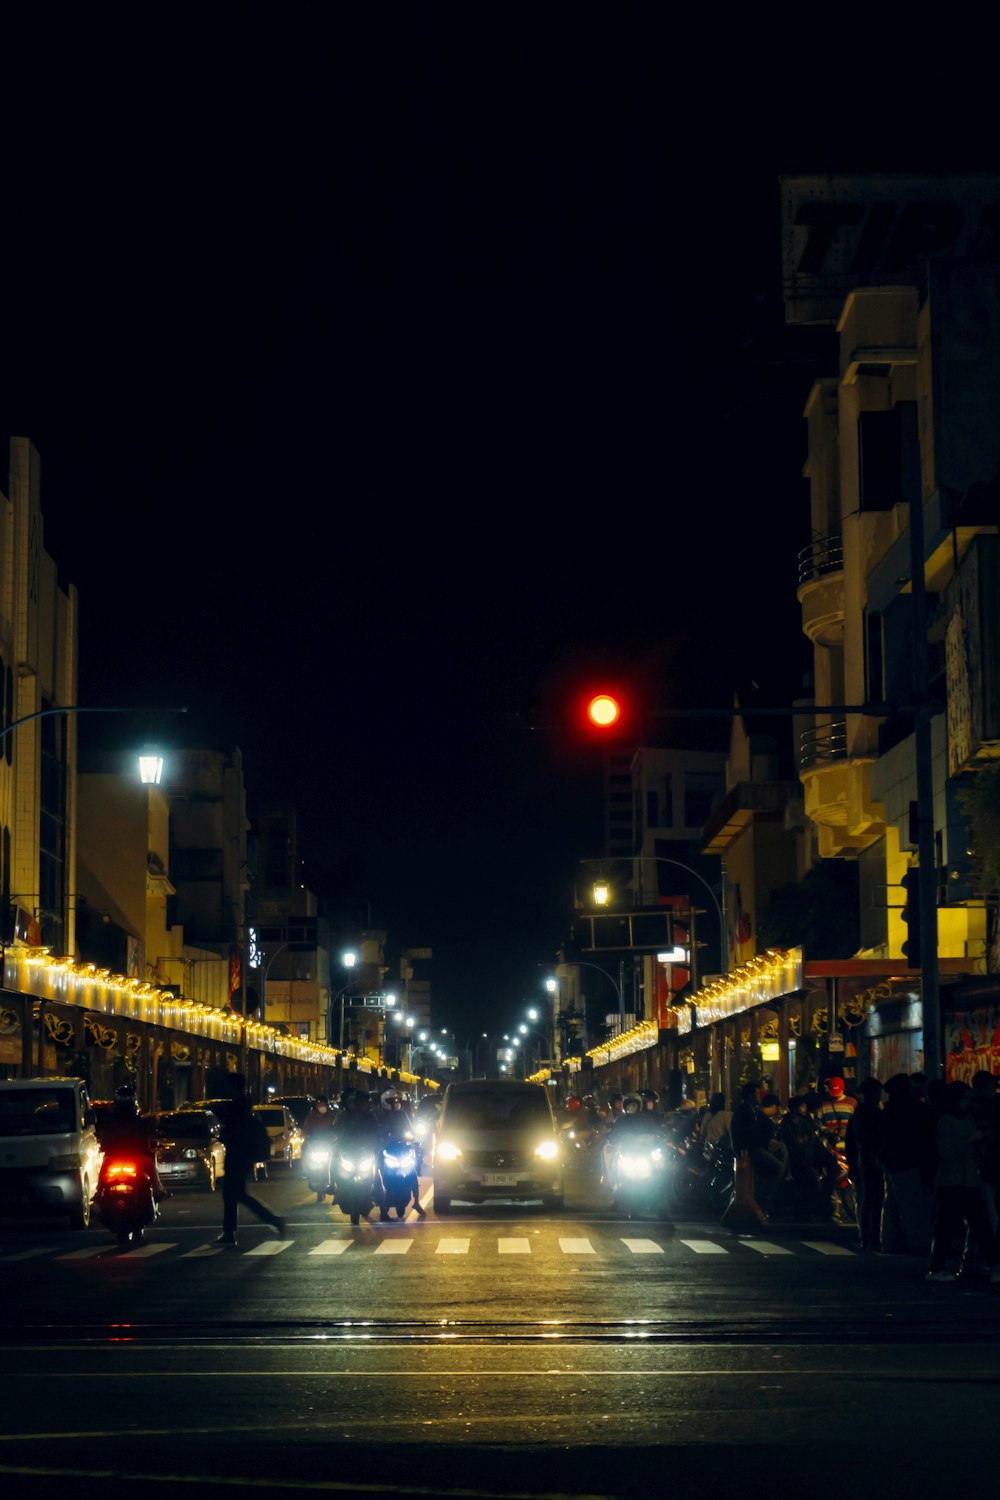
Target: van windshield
41, 1111
499, 1109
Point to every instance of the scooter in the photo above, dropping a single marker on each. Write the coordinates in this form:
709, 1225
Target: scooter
317, 1161
354, 1180
398, 1176
126, 1202
639, 1173
700, 1178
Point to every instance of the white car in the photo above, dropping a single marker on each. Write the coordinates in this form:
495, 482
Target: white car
285, 1136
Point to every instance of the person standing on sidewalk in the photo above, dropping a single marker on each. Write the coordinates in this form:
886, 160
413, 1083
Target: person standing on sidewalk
241, 1138
957, 1184
863, 1143
907, 1157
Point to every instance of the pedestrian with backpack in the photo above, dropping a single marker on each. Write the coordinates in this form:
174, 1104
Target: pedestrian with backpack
242, 1136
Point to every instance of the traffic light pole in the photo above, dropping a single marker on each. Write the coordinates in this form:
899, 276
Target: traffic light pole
930, 989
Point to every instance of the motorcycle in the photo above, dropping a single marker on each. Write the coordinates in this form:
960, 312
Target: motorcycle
639, 1173
398, 1177
126, 1202
701, 1177
317, 1163
354, 1179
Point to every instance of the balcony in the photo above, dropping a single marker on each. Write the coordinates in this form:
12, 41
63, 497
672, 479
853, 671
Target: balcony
837, 787
821, 589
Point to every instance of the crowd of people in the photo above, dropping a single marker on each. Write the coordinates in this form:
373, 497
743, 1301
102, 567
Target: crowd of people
914, 1164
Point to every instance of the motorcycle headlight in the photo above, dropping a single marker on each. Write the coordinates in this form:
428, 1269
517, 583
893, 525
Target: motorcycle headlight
657, 1155
317, 1157
367, 1163
448, 1151
403, 1162
547, 1151
346, 1165
636, 1167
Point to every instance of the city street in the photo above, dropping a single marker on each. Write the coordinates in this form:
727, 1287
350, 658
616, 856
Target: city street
499, 1351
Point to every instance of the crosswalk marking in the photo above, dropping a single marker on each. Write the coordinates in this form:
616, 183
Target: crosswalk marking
427, 1242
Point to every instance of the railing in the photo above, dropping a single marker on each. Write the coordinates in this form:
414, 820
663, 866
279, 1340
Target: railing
822, 744
825, 554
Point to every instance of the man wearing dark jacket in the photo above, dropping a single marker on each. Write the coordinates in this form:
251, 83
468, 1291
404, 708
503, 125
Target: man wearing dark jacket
240, 1138
754, 1129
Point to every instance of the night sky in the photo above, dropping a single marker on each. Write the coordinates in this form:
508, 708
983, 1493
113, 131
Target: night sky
395, 367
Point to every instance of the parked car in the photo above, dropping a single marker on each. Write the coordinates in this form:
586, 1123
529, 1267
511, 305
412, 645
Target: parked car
299, 1104
189, 1151
285, 1135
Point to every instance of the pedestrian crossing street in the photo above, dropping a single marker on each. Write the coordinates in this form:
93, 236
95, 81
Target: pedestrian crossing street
428, 1242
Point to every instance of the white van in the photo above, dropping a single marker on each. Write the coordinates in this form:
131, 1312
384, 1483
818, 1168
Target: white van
49, 1155
496, 1139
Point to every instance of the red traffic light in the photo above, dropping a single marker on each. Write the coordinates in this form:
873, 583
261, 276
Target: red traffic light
604, 710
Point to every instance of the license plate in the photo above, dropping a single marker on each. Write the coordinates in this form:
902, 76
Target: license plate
499, 1179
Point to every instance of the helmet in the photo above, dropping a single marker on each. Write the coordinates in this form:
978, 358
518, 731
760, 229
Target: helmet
349, 1098
649, 1096
392, 1097
125, 1100
632, 1104
573, 1102
835, 1087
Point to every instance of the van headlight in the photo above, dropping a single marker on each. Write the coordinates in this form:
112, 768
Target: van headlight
64, 1163
448, 1151
547, 1151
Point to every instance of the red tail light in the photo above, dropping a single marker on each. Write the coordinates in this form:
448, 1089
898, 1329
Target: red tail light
121, 1171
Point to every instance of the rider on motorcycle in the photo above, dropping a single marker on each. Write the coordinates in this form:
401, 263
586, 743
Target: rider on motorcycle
397, 1127
126, 1130
317, 1130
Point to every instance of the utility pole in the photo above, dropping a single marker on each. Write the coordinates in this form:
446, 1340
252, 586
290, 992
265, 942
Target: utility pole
930, 990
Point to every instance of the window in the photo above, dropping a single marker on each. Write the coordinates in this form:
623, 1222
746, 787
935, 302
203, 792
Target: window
889, 456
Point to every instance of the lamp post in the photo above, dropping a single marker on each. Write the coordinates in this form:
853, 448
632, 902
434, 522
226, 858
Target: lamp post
348, 959
602, 894
527, 1031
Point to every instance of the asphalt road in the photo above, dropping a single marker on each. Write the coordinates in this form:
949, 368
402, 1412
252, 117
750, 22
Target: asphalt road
497, 1352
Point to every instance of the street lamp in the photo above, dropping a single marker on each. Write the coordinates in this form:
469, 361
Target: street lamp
527, 1031
348, 960
601, 891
